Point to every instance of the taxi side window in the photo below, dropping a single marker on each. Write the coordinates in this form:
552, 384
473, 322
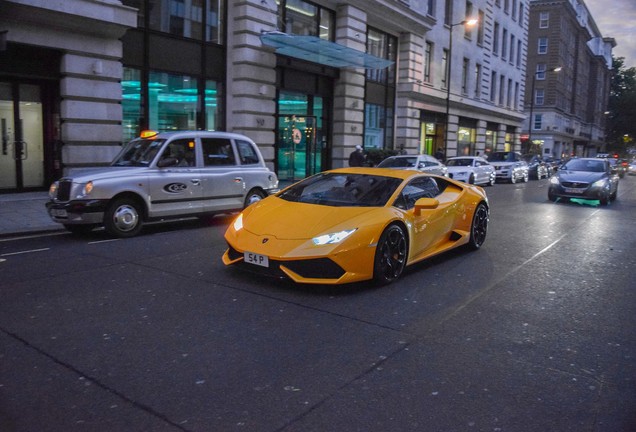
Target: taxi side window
217, 152
182, 150
247, 153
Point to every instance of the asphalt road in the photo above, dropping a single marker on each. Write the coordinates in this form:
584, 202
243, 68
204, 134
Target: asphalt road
534, 332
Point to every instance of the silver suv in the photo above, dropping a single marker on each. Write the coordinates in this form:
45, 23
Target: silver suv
161, 176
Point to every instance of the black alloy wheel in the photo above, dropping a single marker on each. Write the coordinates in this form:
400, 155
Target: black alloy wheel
390, 255
479, 227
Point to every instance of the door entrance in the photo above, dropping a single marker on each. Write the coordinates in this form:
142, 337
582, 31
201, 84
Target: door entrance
301, 137
21, 136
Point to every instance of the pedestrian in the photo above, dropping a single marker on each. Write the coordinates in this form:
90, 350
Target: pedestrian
439, 154
356, 158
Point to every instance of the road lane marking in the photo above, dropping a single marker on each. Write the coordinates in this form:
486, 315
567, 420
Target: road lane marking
24, 252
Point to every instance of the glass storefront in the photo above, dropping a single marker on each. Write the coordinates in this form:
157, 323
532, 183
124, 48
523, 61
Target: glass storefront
173, 102
466, 140
300, 145
21, 136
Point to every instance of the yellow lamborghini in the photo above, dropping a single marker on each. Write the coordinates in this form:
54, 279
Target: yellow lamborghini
354, 224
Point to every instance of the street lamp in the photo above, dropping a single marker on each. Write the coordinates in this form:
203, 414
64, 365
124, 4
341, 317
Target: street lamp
531, 120
469, 22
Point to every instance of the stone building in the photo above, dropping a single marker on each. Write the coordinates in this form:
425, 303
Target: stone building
569, 69
307, 80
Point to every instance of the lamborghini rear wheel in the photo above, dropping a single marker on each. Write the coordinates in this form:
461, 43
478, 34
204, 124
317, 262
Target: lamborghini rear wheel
479, 227
390, 255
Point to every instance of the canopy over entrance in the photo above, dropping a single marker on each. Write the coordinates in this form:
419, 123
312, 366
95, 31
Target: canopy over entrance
314, 49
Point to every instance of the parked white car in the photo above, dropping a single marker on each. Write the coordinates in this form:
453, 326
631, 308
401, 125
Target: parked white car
471, 169
423, 162
162, 176
509, 166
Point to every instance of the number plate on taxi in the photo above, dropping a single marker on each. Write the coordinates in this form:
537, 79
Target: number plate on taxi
256, 259
58, 213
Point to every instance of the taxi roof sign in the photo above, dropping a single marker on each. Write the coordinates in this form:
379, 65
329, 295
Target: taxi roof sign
148, 134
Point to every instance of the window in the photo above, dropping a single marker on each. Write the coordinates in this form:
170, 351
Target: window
185, 18
217, 152
477, 81
504, 44
448, 12
519, 47
303, 18
514, 9
540, 72
183, 151
539, 97
502, 93
495, 39
423, 187
507, 6
247, 153
480, 28
468, 30
544, 20
521, 14
381, 45
536, 124
428, 59
374, 126
515, 101
509, 94
493, 86
131, 103
465, 73
430, 11
465, 140
174, 101
543, 45
512, 49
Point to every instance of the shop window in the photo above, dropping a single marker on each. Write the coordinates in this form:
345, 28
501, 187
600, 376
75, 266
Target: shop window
172, 102
213, 104
465, 140
131, 103
374, 126
491, 141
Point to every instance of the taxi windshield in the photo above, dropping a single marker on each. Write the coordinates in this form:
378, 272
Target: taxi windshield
138, 152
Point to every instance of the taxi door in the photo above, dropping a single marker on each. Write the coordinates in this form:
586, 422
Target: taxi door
175, 184
223, 180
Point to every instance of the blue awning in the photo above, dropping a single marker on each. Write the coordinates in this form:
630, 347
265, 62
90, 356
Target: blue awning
314, 49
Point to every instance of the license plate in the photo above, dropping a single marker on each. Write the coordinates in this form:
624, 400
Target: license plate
256, 259
58, 213
574, 190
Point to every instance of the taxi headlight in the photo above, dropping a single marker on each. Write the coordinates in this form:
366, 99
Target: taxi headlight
88, 187
53, 190
332, 238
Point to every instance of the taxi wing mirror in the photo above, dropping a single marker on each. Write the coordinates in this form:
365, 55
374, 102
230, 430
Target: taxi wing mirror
425, 204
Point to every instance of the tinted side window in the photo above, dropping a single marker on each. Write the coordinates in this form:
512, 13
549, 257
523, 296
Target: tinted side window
217, 152
182, 150
423, 187
247, 152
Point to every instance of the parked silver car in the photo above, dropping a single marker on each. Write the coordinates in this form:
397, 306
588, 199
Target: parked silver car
422, 162
509, 166
471, 169
160, 176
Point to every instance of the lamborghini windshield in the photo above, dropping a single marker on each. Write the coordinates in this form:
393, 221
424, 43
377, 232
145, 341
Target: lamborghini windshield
343, 190
138, 152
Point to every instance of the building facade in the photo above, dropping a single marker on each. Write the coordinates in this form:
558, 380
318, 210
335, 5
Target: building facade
569, 69
307, 80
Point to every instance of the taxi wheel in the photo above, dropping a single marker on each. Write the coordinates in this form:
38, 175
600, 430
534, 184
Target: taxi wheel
390, 255
479, 227
123, 218
253, 196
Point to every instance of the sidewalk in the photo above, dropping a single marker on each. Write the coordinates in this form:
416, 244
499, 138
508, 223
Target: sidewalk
25, 212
